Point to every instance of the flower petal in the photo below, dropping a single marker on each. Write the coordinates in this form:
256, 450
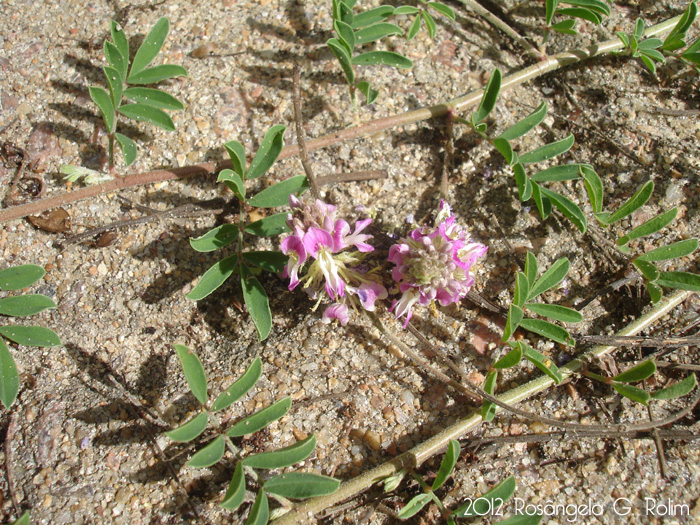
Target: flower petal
336, 311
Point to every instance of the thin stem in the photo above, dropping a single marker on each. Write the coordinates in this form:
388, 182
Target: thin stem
437, 443
110, 152
299, 122
440, 110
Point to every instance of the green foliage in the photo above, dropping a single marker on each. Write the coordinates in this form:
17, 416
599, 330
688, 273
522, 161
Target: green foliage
655, 279
247, 264
149, 104
13, 279
654, 50
295, 485
622, 383
589, 10
484, 505
354, 30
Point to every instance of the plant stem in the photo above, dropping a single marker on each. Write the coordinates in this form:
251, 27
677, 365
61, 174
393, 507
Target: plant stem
419, 454
110, 153
440, 110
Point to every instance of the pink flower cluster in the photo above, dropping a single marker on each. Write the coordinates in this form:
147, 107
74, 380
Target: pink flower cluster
336, 256
432, 264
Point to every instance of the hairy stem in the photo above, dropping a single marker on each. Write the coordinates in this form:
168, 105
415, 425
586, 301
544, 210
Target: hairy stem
437, 443
459, 104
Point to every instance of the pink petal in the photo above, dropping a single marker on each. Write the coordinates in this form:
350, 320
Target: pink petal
315, 239
336, 311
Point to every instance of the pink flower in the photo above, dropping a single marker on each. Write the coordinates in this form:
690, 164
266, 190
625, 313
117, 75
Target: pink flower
335, 256
433, 264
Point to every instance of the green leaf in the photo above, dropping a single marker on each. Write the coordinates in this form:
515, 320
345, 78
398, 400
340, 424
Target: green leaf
558, 173
215, 238
118, 67
488, 409
522, 289
671, 251
377, 32
638, 372
406, 10
651, 44
341, 53
369, 93
236, 490
556, 312
647, 269
680, 280
568, 208
550, 8
638, 28
384, 58
581, 13
209, 455
651, 66
115, 84
269, 226
31, 335
104, 103
486, 504
191, 429
674, 40
633, 204
565, 27
270, 261
150, 47
122, 44
594, 187
548, 151
346, 35
372, 16
153, 97
301, 485
523, 126
18, 277
240, 387
278, 194
448, 464
25, 305
414, 506
634, 393
194, 372
509, 360
651, 226
283, 457
128, 148
549, 279
236, 152
214, 277
144, 113
545, 364
544, 205
515, 315
267, 153
505, 149
594, 5
155, 74
531, 268
260, 419
9, 377
256, 302
547, 329
234, 182
655, 292
677, 389
415, 27
429, 24
523, 182
24, 519
488, 100
522, 519
443, 10
260, 511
